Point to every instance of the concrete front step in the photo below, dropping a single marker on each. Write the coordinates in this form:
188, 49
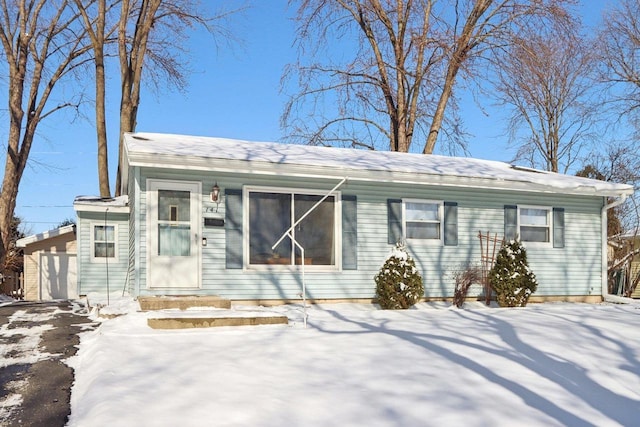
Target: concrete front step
208, 322
182, 302
211, 311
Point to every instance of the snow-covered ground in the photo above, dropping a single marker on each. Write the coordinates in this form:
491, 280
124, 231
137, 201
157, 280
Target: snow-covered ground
355, 365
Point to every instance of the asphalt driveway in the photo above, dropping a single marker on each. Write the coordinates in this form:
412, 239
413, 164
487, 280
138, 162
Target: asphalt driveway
35, 382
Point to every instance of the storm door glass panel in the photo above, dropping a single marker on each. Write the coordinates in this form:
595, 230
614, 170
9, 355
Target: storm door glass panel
104, 241
534, 225
269, 218
422, 220
174, 223
316, 232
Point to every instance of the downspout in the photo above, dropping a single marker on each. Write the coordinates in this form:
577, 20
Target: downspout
605, 276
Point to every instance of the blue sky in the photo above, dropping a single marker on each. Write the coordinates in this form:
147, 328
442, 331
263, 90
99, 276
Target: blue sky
233, 92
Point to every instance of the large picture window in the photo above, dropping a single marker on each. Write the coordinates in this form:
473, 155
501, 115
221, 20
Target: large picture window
272, 213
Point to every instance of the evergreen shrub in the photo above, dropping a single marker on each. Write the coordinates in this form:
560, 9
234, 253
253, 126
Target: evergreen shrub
398, 283
511, 278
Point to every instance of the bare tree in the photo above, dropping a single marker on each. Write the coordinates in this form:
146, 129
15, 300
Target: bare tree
42, 43
546, 76
620, 42
94, 16
148, 38
151, 38
401, 63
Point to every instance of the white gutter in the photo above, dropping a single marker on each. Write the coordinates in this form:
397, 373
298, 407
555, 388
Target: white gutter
605, 285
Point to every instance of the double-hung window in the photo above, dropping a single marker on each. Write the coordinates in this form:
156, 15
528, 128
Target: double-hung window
103, 241
535, 224
422, 219
271, 212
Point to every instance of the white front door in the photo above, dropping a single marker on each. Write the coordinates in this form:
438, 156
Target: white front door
173, 236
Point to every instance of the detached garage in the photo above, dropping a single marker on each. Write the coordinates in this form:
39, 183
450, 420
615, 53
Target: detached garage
50, 268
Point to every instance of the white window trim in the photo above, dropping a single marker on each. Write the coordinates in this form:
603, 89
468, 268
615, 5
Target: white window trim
92, 249
287, 190
440, 203
549, 210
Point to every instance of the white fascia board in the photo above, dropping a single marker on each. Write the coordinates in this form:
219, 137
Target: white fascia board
78, 207
22, 243
212, 165
118, 204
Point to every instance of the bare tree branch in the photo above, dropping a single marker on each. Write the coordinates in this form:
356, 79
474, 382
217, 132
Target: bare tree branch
409, 55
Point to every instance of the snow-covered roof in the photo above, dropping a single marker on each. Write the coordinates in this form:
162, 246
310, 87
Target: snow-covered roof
221, 154
100, 204
22, 243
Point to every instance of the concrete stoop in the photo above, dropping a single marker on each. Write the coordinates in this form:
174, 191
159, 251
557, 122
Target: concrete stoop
219, 315
210, 322
182, 302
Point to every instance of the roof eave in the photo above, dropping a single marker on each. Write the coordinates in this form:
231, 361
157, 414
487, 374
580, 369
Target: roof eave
22, 243
170, 161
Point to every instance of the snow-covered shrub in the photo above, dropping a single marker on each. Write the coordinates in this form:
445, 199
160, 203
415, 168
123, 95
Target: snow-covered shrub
398, 283
511, 278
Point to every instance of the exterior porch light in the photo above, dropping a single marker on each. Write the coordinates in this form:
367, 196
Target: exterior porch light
215, 195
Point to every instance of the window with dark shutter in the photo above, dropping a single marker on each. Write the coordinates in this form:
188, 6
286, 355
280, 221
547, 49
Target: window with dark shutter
558, 227
394, 221
349, 233
450, 224
233, 228
510, 222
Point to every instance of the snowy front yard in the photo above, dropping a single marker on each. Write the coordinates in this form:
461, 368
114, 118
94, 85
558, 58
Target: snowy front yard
548, 364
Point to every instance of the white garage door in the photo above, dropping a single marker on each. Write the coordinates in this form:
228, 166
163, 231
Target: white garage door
58, 276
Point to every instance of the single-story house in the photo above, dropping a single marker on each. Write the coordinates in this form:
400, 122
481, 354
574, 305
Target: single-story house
255, 221
50, 267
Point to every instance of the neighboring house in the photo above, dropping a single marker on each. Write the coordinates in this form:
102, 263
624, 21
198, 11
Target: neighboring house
203, 215
629, 274
50, 268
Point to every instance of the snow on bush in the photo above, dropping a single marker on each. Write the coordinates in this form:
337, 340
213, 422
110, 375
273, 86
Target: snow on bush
511, 278
398, 283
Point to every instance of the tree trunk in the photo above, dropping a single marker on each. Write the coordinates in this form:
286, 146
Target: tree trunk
131, 65
462, 48
101, 129
97, 36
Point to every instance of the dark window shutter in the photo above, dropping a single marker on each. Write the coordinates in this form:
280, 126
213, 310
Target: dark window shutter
558, 227
394, 218
510, 223
450, 224
233, 228
349, 232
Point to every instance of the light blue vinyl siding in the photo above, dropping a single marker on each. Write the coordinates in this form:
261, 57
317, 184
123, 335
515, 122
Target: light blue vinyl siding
96, 276
133, 212
572, 270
